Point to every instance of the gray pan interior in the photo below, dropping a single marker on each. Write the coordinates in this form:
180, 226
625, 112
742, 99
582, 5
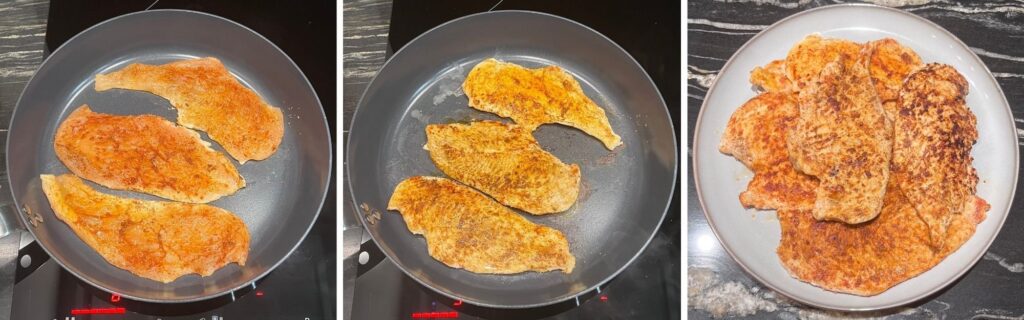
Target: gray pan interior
624, 193
283, 193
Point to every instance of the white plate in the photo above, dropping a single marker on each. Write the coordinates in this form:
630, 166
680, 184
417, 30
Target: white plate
752, 237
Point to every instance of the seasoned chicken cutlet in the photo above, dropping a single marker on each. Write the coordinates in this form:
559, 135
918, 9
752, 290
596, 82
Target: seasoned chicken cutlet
145, 154
772, 77
808, 57
890, 63
466, 229
868, 259
532, 97
156, 240
935, 132
210, 99
505, 162
843, 138
756, 135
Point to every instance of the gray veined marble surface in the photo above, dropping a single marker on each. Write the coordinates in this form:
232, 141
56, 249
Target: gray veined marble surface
718, 287
22, 32
364, 39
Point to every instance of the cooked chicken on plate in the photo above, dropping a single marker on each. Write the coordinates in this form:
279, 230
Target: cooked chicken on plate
843, 138
935, 132
865, 153
756, 135
890, 63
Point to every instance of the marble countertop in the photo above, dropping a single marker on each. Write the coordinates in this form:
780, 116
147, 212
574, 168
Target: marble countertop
365, 44
22, 33
718, 286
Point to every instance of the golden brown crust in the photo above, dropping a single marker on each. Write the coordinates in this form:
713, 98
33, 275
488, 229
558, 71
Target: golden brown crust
807, 58
843, 138
145, 154
153, 239
756, 135
890, 63
869, 258
505, 162
935, 132
532, 97
466, 229
210, 99
772, 77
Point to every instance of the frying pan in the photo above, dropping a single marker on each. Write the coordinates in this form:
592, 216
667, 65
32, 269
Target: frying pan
624, 193
283, 193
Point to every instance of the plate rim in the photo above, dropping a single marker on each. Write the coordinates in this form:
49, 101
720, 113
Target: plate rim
196, 298
668, 202
927, 293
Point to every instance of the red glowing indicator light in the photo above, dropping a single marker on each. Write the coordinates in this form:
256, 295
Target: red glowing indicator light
259, 293
604, 298
457, 303
435, 315
115, 298
77, 312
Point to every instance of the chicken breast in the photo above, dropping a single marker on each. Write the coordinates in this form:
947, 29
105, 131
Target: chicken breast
532, 97
867, 259
807, 58
935, 132
890, 63
145, 154
210, 99
505, 162
466, 229
772, 77
156, 240
756, 135
843, 138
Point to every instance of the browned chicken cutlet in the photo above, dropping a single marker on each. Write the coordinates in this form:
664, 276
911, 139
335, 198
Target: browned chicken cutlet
532, 97
505, 162
868, 259
807, 58
208, 98
890, 63
772, 77
466, 229
756, 135
935, 132
156, 240
843, 138
841, 134
144, 153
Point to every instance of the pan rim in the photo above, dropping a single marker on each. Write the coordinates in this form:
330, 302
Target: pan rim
664, 212
226, 290
904, 302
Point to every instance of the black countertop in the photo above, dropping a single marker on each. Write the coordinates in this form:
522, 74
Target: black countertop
719, 287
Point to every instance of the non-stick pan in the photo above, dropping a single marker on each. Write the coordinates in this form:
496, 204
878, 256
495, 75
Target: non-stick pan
624, 193
283, 193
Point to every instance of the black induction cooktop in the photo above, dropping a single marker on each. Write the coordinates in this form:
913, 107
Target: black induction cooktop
650, 287
301, 287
